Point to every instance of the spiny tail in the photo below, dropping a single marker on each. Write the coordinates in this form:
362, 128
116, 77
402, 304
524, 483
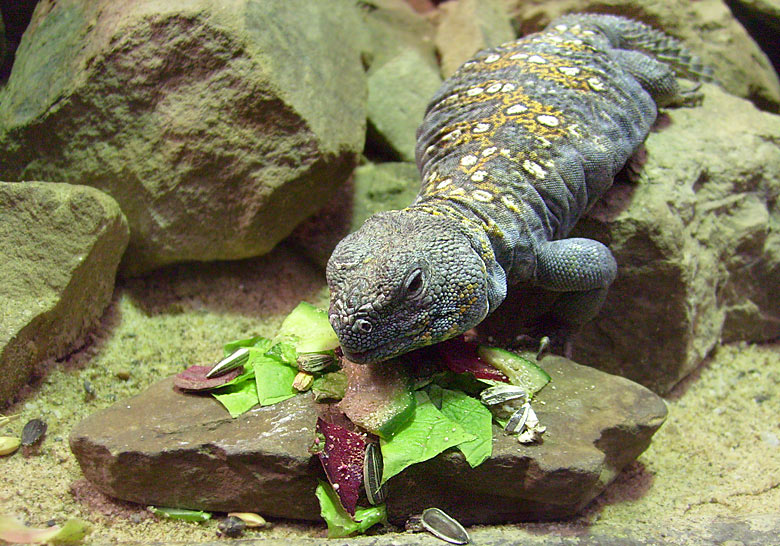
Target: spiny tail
629, 34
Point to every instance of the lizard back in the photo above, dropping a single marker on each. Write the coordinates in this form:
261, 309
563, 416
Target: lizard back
525, 137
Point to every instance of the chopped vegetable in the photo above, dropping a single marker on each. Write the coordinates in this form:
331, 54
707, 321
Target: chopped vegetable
238, 398
194, 378
303, 381
180, 513
284, 352
330, 386
258, 342
342, 458
520, 371
273, 377
72, 532
309, 329
426, 434
462, 356
340, 524
475, 418
379, 397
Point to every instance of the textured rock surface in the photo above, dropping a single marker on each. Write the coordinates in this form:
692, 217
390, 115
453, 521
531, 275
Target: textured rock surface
217, 126
466, 26
391, 27
59, 250
373, 188
706, 26
398, 93
192, 454
697, 241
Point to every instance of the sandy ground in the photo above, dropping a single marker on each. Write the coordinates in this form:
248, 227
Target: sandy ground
711, 475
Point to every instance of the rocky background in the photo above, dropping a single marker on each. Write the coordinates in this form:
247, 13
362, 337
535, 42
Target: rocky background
140, 137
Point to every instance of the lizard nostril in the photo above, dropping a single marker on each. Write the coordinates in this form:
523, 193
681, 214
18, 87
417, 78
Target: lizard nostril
364, 326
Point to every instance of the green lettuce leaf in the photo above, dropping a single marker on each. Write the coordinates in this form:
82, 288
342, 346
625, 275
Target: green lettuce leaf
259, 342
238, 398
340, 523
273, 378
425, 435
475, 418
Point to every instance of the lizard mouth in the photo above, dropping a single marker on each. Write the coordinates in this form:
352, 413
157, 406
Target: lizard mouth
385, 351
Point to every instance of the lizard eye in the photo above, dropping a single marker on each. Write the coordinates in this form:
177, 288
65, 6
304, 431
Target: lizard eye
414, 284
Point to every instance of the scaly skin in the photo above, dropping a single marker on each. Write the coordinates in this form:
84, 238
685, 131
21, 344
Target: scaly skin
515, 147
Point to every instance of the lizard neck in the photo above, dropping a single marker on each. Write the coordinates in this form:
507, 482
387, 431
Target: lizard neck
506, 234
467, 225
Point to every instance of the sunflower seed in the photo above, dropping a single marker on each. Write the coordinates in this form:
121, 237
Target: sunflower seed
499, 394
231, 362
33, 431
316, 362
250, 518
517, 422
372, 474
8, 444
444, 527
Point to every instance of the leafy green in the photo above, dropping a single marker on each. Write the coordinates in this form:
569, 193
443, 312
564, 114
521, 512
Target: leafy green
465, 382
425, 435
284, 352
180, 513
475, 418
13, 531
237, 397
329, 386
259, 342
340, 523
273, 377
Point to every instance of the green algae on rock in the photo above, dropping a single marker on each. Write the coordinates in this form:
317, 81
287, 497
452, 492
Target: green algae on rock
59, 250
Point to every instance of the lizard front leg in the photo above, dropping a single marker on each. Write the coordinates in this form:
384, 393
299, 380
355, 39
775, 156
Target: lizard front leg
583, 270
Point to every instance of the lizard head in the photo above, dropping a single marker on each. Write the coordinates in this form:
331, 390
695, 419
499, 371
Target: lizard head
404, 280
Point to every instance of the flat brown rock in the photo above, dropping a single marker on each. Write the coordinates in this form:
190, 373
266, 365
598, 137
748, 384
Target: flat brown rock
167, 448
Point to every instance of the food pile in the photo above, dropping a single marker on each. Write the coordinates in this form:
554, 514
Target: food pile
376, 419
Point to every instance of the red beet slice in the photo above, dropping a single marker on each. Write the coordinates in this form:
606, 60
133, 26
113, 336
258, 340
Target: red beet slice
194, 378
461, 356
342, 458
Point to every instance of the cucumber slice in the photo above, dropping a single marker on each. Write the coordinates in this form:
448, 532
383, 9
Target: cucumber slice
379, 397
520, 371
308, 329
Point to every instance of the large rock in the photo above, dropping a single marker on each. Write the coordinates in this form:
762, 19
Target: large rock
706, 26
403, 74
59, 250
467, 26
398, 93
373, 188
167, 448
697, 241
217, 126
392, 27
